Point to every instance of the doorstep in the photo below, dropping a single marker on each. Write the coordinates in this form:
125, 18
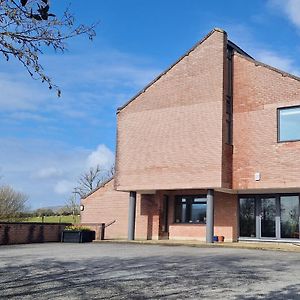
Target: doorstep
274, 245
270, 240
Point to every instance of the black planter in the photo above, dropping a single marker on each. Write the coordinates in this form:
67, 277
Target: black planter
77, 236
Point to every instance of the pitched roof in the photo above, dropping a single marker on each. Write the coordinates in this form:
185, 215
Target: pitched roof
229, 43
258, 63
169, 68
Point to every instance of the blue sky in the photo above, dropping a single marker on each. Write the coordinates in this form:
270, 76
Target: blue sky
46, 142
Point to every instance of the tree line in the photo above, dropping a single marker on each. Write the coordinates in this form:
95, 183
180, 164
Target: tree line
13, 206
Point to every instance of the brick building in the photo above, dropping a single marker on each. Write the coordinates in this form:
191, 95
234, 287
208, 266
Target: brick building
210, 147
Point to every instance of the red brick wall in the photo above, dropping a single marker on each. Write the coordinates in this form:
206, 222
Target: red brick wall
187, 232
148, 217
171, 135
258, 92
106, 205
226, 216
23, 233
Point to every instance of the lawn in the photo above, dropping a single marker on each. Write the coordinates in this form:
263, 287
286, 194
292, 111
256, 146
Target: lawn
54, 219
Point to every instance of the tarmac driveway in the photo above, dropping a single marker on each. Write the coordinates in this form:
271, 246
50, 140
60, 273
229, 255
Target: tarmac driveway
131, 271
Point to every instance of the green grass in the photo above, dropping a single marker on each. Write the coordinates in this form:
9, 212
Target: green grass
54, 219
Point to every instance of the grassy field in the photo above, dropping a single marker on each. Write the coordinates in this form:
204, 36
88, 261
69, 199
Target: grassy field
54, 219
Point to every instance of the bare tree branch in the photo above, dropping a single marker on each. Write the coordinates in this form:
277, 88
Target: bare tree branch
12, 203
28, 26
92, 179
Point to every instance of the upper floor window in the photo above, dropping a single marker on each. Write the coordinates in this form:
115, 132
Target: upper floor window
289, 124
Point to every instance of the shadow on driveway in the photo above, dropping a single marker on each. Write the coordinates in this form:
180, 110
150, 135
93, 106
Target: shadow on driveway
155, 277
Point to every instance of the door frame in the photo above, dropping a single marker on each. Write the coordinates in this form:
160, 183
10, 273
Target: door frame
257, 202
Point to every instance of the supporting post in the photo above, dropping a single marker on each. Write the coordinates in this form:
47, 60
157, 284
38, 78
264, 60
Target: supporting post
131, 215
210, 216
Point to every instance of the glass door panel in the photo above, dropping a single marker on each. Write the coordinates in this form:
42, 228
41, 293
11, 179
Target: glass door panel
289, 216
268, 217
247, 217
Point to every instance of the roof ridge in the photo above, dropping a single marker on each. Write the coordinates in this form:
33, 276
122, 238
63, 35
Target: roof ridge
171, 66
259, 63
238, 48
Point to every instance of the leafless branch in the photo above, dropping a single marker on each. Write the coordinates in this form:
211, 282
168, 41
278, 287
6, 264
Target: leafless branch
28, 27
92, 179
12, 203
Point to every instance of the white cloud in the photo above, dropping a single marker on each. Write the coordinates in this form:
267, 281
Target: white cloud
93, 85
278, 61
290, 8
18, 93
93, 80
24, 116
46, 170
64, 187
102, 156
50, 172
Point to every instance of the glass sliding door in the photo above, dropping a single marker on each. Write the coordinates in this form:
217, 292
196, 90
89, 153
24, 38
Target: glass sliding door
289, 216
247, 217
268, 217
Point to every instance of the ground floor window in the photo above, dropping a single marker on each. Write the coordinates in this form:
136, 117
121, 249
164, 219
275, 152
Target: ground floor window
289, 213
190, 209
272, 216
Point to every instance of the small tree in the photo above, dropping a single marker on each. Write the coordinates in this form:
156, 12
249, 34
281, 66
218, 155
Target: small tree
28, 26
12, 203
72, 206
92, 179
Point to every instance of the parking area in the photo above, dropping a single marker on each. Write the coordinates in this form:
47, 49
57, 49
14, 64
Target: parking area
131, 271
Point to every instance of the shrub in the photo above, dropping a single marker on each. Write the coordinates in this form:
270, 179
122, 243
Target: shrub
77, 228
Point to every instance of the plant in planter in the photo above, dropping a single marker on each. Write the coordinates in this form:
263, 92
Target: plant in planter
77, 234
221, 238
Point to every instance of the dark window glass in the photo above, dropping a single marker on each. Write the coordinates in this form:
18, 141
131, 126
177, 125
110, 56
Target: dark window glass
247, 217
190, 209
289, 124
267, 216
289, 216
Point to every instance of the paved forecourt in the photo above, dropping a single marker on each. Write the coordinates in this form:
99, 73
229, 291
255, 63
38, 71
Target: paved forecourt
137, 271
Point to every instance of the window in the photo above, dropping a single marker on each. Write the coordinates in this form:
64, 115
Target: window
190, 209
289, 124
289, 216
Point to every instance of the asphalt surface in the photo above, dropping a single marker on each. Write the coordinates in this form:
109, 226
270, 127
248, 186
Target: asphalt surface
130, 271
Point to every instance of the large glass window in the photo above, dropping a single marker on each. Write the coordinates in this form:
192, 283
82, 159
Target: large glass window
247, 217
190, 209
289, 213
270, 216
289, 124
